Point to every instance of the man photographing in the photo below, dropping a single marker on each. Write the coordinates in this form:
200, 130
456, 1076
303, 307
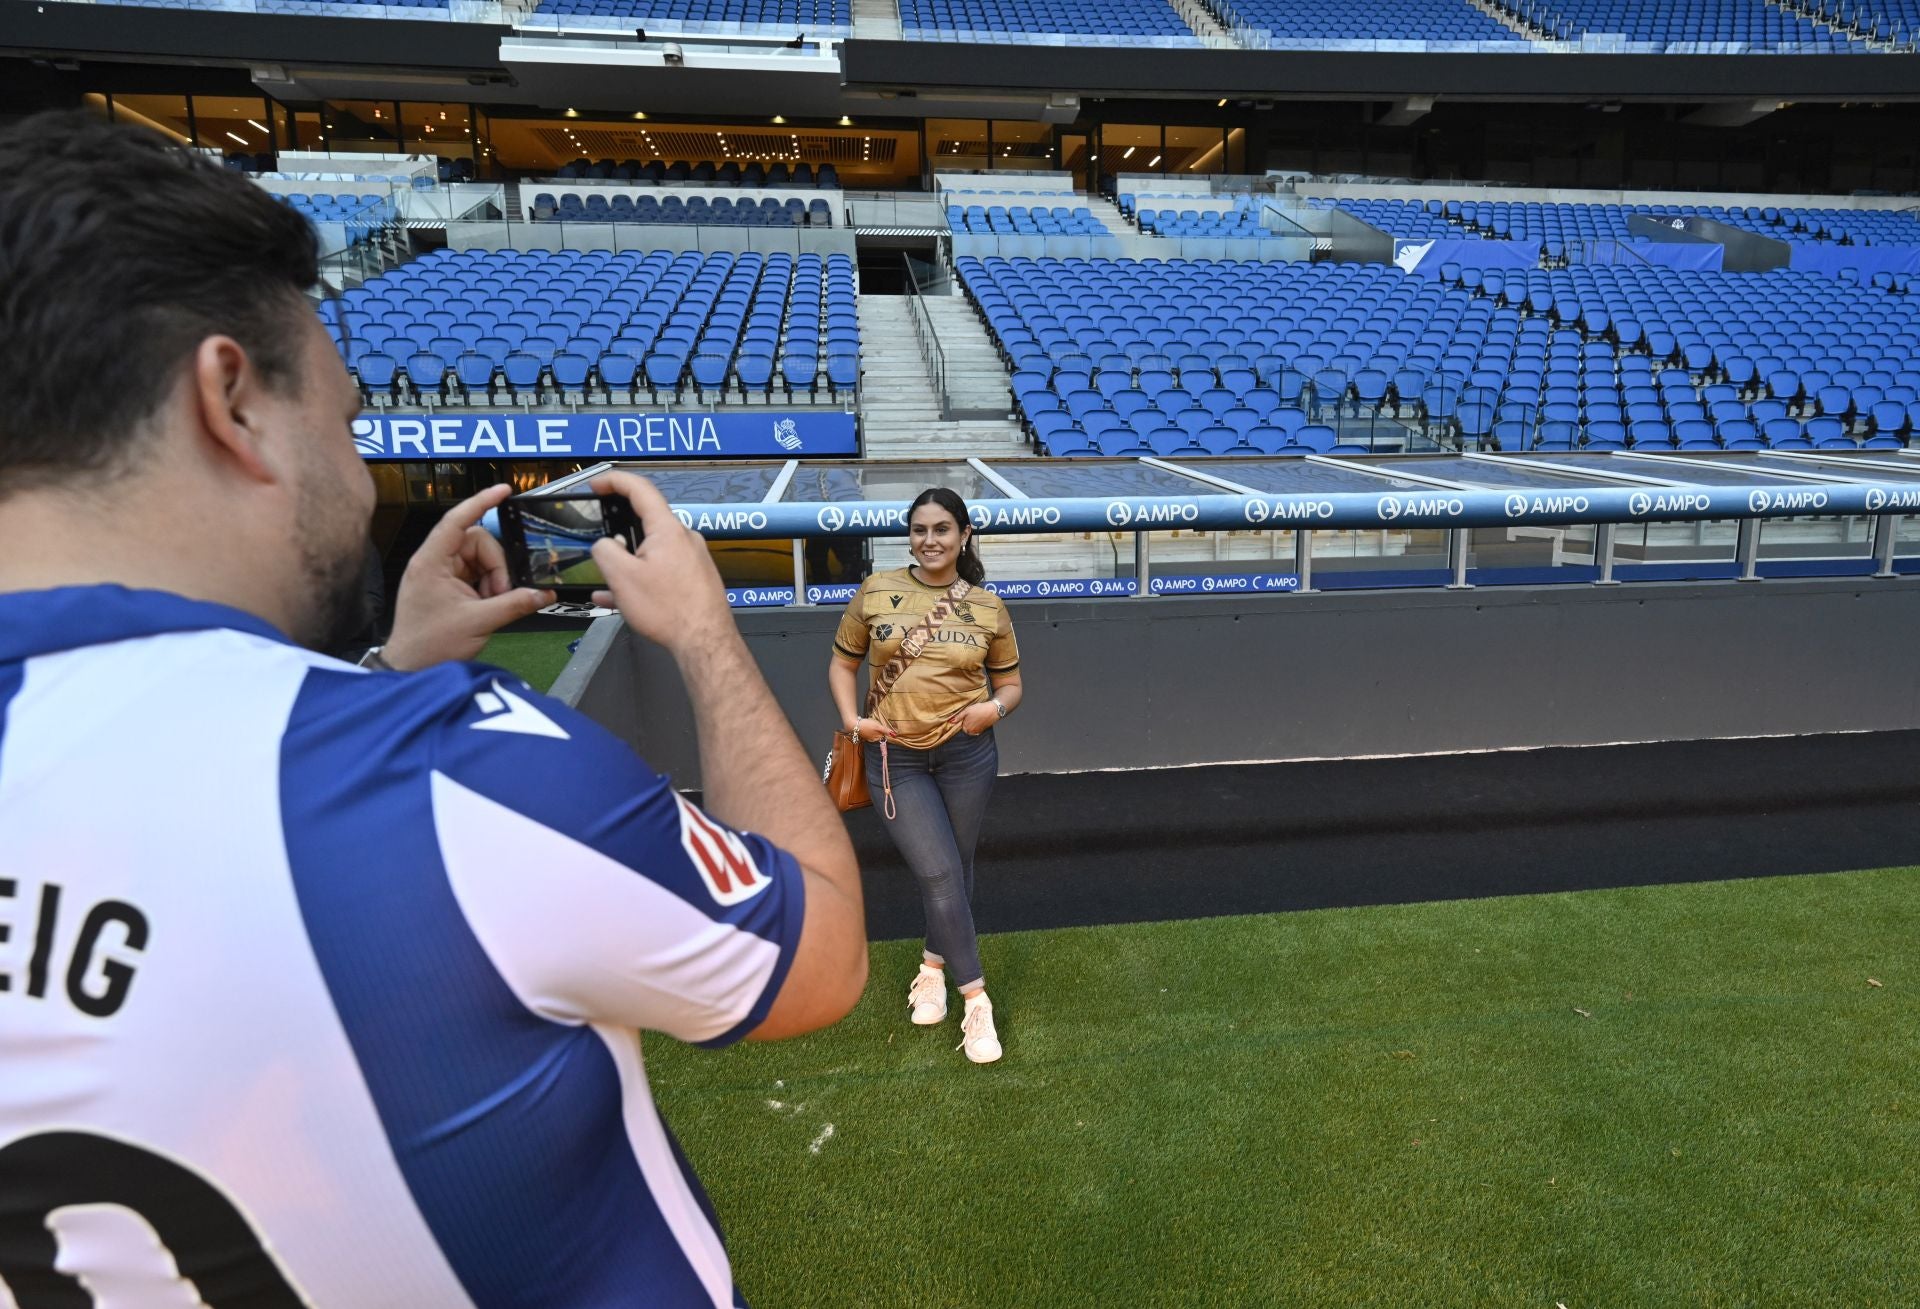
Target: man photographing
322, 985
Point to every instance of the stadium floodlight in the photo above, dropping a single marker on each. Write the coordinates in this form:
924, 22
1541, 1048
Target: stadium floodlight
672, 53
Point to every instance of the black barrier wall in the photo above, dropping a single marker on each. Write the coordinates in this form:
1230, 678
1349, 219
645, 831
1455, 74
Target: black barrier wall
1747, 252
1167, 682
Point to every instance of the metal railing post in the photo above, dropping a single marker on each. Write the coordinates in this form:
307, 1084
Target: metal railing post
1142, 565
800, 571
1457, 558
1883, 545
1747, 550
1603, 554
1303, 559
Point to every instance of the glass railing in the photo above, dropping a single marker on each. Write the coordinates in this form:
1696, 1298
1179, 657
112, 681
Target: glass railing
1132, 245
1254, 38
864, 209
522, 234
760, 39
986, 36
455, 11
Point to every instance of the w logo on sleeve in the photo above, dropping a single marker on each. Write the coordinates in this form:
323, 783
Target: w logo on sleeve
722, 858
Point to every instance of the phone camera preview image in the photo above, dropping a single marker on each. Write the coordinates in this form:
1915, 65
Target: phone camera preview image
560, 536
550, 539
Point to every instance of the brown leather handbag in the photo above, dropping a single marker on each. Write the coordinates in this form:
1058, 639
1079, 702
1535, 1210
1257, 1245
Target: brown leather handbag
846, 772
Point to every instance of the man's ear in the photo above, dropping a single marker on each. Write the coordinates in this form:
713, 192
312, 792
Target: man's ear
230, 403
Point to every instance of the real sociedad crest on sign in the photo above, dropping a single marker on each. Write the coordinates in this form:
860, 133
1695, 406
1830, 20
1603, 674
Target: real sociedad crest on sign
785, 435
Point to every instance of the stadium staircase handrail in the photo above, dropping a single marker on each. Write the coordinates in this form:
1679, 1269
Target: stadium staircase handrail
930, 351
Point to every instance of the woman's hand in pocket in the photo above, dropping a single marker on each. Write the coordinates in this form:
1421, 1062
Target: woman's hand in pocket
975, 719
871, 729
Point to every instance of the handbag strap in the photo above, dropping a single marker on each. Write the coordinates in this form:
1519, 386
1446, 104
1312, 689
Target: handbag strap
917, 639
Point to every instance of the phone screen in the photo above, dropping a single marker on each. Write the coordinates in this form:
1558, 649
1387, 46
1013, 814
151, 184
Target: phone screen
555, 536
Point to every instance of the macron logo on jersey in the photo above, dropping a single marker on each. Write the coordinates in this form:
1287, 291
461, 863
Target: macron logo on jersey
509, 713
721, 857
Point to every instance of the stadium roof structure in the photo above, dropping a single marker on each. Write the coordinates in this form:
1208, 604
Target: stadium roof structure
497, 64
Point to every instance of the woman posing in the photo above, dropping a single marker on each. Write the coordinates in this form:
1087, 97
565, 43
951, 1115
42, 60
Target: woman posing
931, 758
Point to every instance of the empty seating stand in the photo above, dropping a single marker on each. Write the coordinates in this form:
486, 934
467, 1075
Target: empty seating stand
1024, 220
1121, 357
1556, 229
1684, 25
1097, 22
420, 9
613, 205
360, 215
1283, 23
569, 327
1235, 217
819, 17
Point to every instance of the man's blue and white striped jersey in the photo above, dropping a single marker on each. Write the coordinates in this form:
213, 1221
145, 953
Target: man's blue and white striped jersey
324, 987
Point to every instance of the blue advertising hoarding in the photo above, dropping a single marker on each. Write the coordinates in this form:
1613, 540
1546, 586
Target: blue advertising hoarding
1399, 509
1072, 588
590, 435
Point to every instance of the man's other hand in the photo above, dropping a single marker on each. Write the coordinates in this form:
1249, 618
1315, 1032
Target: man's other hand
668, 590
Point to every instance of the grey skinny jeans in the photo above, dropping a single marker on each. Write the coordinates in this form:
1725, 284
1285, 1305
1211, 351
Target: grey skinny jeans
939, 799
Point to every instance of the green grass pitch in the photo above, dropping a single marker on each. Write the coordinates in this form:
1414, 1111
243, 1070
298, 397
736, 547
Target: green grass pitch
1687, 1095
534, 657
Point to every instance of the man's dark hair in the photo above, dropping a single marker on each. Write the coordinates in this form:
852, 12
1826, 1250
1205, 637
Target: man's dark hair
119, 253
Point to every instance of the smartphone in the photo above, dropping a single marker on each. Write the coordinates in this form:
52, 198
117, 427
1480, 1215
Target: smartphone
549, 539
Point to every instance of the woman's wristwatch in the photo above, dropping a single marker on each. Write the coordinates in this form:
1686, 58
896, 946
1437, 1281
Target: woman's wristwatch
995, 702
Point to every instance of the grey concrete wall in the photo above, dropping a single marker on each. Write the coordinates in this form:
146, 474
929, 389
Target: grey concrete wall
1165, 682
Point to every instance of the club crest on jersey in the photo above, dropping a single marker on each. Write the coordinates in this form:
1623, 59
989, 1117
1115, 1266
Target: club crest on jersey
722, 858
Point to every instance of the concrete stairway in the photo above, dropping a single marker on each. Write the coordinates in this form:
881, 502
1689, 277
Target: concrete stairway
1106, 211
899, 412
976, 379
1205, 25
1507, 20
876, 20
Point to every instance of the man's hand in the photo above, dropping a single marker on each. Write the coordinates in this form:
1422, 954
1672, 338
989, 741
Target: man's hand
668, 590
456, 592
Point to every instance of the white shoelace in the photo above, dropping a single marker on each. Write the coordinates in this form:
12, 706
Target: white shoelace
975, 1023
927, 989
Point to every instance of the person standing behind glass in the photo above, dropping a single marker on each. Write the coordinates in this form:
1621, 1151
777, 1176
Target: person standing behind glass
932, 779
